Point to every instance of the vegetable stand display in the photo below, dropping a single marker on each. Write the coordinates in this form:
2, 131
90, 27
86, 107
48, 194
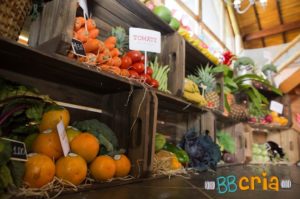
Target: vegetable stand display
132, 110
127, 109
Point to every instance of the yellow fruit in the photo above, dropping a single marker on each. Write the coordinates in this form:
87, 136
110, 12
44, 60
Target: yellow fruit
51, 118
274, 114
72, 168
103, 168
277, 120
86, 145
39, 170
48, 143
169, 158
72, 133
123, 165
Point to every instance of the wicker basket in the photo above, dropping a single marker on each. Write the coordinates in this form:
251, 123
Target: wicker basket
12, 17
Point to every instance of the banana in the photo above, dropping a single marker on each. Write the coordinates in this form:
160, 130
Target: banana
190, 86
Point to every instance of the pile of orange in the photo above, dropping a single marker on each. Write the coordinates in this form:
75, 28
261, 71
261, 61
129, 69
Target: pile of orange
282, 121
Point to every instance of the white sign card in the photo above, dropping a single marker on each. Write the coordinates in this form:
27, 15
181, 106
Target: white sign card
63, 138
276, 106
144, 40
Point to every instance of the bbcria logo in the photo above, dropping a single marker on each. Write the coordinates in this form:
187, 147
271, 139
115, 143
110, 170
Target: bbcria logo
231, 184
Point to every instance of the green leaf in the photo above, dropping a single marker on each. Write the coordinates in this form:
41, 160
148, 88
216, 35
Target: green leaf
17, 170
230, 83
5, 152
35, 112
52, 107
226, 103
5, 176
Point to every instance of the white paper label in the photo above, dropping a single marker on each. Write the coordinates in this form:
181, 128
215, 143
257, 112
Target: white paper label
63, 138
276, 106
144, 40
83, 5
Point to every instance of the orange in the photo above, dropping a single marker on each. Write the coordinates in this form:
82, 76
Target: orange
103, 168
51, 118
72, 168
123, 165
48, 143
274, 114
86, 145
39, 170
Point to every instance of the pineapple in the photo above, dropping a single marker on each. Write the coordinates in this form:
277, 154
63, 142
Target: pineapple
238, 112
206, 80
122, 39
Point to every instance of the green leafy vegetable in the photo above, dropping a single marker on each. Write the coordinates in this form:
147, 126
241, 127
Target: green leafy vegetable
226, 141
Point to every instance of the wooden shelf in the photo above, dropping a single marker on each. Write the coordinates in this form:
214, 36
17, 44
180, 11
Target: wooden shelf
268, 127
194, 58
171, 102
52, 67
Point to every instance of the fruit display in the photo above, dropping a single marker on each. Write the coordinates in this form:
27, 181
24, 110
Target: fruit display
227, 146
206, 82
198, 44
160, 76
166, 15
32, 118
192, 94
272, 119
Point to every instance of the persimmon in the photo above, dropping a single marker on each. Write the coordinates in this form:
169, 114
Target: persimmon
86, 145
48, 143
72, 168
123, 165
39, 170
103, 168
51, 118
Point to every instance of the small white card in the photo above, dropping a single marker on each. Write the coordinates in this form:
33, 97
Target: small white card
63, 138
276, 106
144, 40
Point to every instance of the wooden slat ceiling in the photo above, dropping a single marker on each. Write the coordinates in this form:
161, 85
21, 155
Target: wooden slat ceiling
277, 23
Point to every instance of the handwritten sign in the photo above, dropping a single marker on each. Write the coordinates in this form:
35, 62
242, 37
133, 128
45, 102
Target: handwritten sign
63, 138
18, 150
276, 106
78, 48
144, 40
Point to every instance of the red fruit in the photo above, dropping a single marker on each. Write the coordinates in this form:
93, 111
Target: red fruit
145, 78
149, 71
154, 83
135, 55
143, 58
252, 119
139, 67
133, 74
269, 118
126, 62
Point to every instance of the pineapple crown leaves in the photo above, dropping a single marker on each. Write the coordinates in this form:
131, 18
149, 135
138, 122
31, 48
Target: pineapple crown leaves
122, 38
205, 78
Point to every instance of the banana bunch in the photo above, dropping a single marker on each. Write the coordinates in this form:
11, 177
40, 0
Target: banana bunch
196, 42
192, 94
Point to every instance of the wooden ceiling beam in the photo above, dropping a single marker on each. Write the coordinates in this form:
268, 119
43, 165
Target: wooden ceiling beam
272, 31
258, 23
278, 6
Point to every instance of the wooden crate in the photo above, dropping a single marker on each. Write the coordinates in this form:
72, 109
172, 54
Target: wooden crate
53, 31
132, 122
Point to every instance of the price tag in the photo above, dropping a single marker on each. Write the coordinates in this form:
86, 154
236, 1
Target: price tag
18, 149
276, 106
63, 138
83, 5
78, 48
144, 40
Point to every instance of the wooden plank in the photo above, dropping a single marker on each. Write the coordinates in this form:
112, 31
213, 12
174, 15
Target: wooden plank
174, 56
278, 6
272, 31
258, 23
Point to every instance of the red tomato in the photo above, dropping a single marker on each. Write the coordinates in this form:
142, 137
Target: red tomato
126, 62
149, 71
135, 55
138, 67
145, 78
133, 74
154, 83
143, 58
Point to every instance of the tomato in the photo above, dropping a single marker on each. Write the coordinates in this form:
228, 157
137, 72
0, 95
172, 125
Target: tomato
135, 55
143, 58
149, 71
154, 83
133, 74
139, 67
126, 62
145, 78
